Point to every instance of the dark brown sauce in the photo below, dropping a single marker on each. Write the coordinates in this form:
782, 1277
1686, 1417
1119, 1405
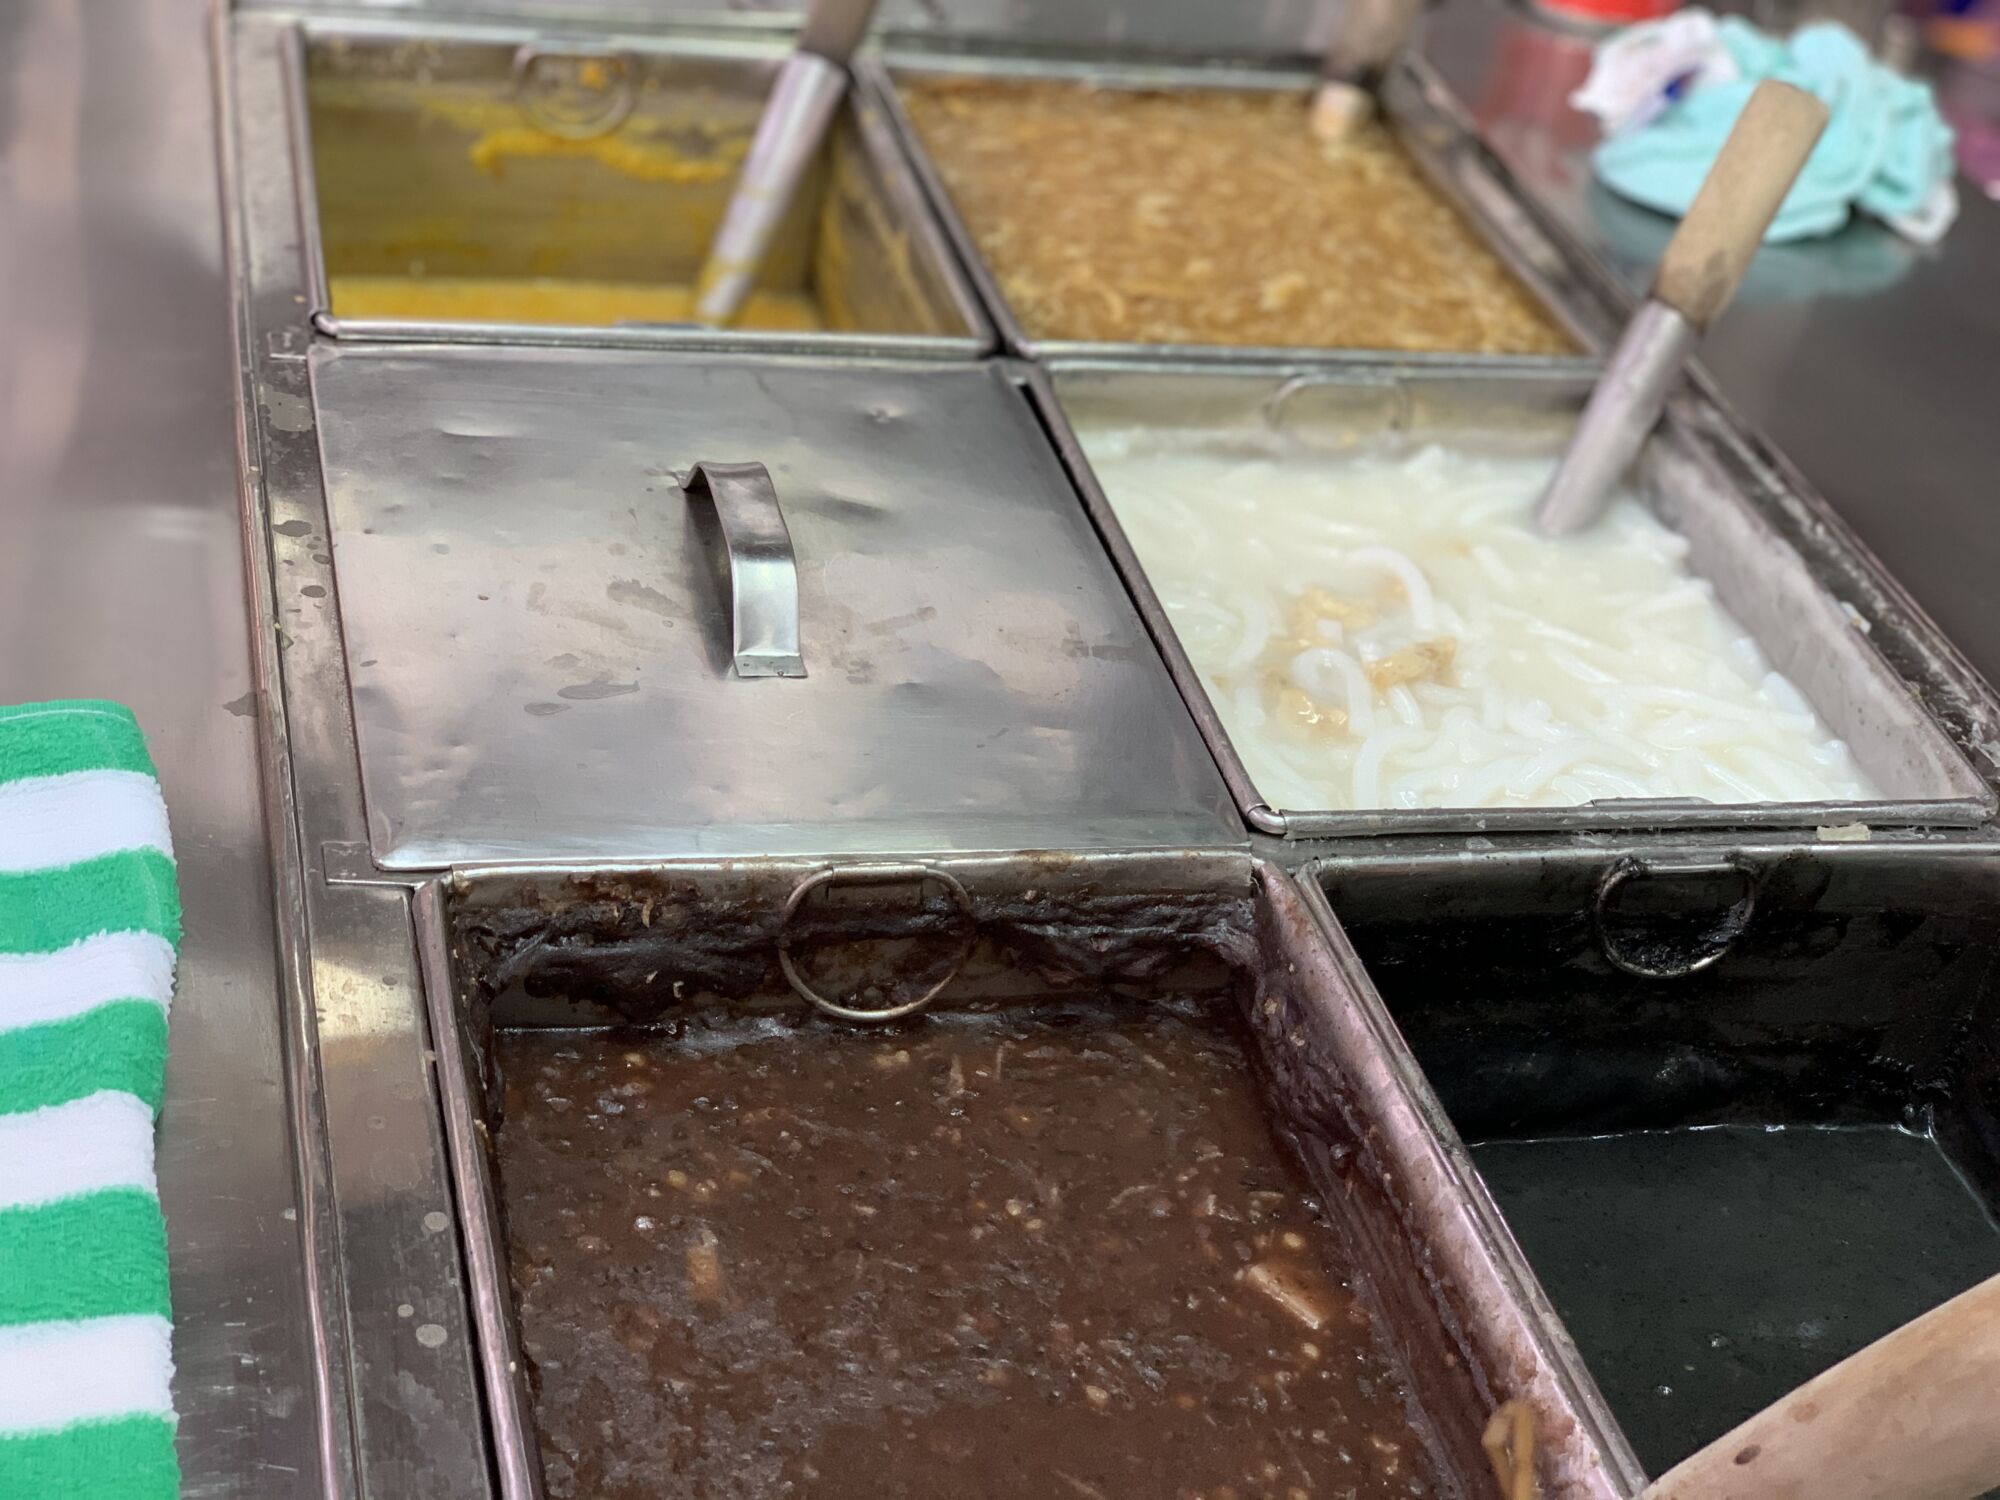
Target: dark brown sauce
1050, 1252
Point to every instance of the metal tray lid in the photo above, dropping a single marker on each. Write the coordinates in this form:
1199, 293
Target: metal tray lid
538, 618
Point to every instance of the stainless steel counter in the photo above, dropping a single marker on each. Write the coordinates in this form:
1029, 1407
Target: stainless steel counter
121, 569
1864, 358
121, 576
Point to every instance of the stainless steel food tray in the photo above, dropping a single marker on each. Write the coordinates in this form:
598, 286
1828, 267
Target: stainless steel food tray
386, 116
406, 1301
1449, 153
400, 1407
1877, 672
1843, 993
558, 946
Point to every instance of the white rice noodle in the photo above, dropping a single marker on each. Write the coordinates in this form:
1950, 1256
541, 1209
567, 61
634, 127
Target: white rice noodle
1416, 588
1589, 667
1335, 677
1368, 764
1260, 621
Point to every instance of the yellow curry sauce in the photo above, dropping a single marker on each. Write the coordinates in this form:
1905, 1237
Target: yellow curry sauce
657, 159
552, 300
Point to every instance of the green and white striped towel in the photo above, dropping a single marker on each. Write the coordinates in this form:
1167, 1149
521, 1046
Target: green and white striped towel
89, 921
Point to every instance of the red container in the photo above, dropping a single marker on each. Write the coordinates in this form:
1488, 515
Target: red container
1608, 12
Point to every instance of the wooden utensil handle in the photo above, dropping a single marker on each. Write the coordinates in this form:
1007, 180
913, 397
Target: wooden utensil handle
1912, 1416
1737, 201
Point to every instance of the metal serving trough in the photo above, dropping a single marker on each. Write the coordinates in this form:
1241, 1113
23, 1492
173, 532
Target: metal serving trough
532, 610
568, 157
1738, 1099
665, 945
1881, 679
1445, 149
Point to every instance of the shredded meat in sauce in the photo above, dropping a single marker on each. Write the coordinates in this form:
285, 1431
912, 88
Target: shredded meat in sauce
1213, 217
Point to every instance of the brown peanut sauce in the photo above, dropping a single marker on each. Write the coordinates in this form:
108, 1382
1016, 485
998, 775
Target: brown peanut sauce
1049, 1251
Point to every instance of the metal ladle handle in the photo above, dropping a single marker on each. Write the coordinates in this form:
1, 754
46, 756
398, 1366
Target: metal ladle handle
1371, 34
763, 570
808, 90
835, 29
1764, 154
872, 875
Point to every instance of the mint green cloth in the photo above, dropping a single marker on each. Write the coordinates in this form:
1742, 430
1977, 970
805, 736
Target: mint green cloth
1886, 148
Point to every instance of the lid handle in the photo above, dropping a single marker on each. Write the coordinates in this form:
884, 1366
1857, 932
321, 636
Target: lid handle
763, 570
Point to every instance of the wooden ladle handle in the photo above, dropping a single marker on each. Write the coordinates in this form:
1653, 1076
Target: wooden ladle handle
1738, 199
1914, 1416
